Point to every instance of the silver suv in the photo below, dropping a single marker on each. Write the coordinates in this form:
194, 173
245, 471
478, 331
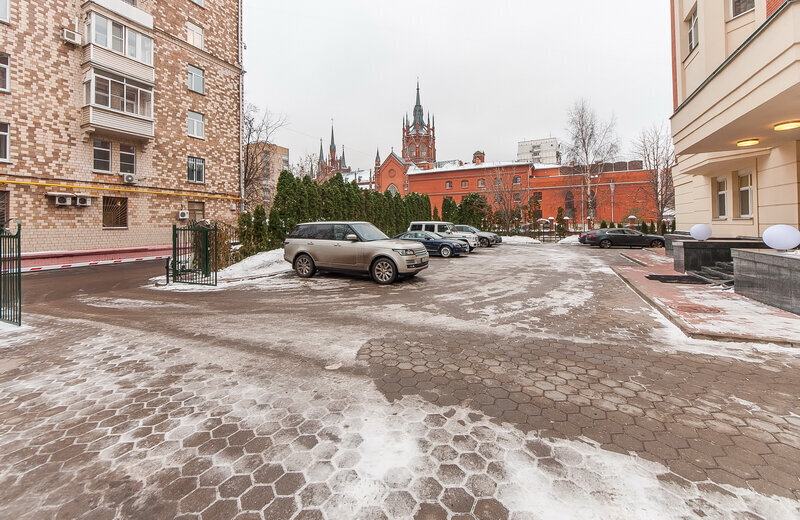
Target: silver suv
446, 229
357, 247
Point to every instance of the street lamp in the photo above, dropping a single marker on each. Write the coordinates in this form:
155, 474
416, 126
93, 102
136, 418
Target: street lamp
612, 186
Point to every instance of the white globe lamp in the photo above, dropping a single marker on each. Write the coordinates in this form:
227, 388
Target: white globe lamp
700, 232
781, 237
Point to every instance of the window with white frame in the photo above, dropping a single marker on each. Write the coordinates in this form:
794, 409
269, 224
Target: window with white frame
102, 155
118, 93
464, 184
4, 10
745, 194
196, 125
5, 72
4, 141
197, 79
741, 6
194, 35
196, 170
117, 37
498, 181
127, 158
722, 198
516, 180
481, 183
693, 30
448, 185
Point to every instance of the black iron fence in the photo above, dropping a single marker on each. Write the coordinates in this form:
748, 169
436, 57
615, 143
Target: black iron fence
11, 272
194, 254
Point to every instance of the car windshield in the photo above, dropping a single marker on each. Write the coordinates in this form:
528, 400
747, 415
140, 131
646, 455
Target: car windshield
368, 232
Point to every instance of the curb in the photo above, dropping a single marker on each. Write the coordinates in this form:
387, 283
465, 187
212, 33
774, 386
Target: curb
691, 332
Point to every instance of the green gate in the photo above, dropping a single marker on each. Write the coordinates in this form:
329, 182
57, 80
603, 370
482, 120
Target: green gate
11, 273
194, 258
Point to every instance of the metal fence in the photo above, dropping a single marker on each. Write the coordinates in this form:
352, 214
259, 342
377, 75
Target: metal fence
11, 273
194, 254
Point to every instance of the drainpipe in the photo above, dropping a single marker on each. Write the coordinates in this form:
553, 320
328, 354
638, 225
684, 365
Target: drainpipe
241, 109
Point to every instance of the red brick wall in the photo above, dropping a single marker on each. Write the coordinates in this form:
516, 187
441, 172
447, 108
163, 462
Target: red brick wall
773, 5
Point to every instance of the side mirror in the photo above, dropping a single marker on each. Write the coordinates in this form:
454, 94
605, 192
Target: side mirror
351, 237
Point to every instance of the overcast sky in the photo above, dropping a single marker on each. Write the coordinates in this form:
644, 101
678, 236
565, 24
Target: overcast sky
492, 72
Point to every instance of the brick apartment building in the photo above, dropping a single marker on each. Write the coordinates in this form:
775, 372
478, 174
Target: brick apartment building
618, 190
267, 160
114, 116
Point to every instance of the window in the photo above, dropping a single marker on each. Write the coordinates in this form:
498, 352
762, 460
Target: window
196, 125
194, 35
197, 80
197, 211
693, 30
722, 198
102, 156
498, 181
465, 184
4, 10
481, 183
498, 199
127, 158
5, 75
119, 38
423, 150
115, 213
196, 170
516, 180
4, 142
412, 150
118, 93
741, 6
448, 185
517, 198
745, 194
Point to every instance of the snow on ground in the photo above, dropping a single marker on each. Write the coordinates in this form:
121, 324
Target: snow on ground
570, 240
520, 240
260, 264
6, 329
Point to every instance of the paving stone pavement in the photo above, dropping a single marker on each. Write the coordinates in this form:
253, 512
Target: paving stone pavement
517, 383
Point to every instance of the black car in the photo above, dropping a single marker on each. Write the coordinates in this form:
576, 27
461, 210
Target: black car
622, 237
435, 244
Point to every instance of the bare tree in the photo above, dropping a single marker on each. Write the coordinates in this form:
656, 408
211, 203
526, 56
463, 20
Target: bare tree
258, 129
654, 147
505, 193
591, 143
306, 166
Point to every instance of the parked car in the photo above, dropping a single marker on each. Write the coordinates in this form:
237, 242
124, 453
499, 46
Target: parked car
485, 239
622, 237
582, 234
436, 244
352, 247
446, 229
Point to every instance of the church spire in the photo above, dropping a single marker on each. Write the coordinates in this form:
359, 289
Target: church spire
343, 164
333, 143
377, 156
321, 156
418, 115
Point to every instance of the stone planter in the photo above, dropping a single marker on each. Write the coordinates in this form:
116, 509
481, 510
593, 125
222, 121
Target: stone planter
691, 255
769, 277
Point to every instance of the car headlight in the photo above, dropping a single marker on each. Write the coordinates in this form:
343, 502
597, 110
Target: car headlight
404, 252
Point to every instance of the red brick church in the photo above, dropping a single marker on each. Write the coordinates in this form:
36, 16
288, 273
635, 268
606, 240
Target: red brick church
618, 190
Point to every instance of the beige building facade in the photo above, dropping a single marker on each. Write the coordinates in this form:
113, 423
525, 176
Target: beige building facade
736, 126
118, 119
265, 162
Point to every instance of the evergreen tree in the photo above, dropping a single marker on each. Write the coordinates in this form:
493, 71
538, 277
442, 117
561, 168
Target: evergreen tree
643, 227
662, 229
652, 228
603, 224
245, 229
436, 214
672, 227
561, 224
286, 210
474, 210
450, 210
259, 236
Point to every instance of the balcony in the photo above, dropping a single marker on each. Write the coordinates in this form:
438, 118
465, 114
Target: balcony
118, 63
755, 88
114, 123
125, 10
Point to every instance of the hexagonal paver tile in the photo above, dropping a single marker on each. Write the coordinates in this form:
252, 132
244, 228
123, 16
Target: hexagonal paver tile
289, 483
256, 498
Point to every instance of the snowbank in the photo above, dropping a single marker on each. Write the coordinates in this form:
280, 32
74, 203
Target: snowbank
570, 240
518, 240
261, 264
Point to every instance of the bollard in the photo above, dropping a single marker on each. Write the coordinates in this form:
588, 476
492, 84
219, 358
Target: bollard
166, 268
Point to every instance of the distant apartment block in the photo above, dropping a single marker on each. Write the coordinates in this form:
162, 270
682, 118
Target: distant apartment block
539, 151
115, 115
267, 160
736, 124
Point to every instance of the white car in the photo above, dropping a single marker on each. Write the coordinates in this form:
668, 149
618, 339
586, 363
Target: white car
446, 229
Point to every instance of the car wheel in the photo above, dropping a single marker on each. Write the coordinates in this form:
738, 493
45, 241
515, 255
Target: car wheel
605, 244
304, 266
445, 251
383, 271
485, 242
657, 243
471, 248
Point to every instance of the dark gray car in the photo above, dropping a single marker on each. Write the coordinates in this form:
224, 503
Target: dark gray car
606, 238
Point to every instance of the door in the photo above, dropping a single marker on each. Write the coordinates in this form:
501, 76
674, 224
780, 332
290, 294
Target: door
344, 253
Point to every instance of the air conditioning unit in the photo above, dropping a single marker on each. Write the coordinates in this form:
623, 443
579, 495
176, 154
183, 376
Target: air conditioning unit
183, 215
128, 178
83, 201
71, 36
63, 200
